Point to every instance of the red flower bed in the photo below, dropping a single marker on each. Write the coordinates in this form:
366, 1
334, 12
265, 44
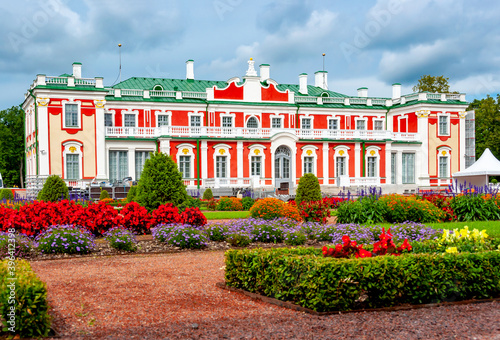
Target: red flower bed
194, 217
136, 218
317, 211
99, 218
166, 214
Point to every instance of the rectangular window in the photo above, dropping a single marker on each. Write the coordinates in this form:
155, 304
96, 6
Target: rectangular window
185, 166
227, 122
408, 168
108, 119
286, 168
371, 167
195, 121
378, 125
308, 165
340, 166
256, 165
71, 115
276, 123
306, 123
118, 165
129, 120
140, 160
72, 166
443, 125
221, 167
393, 168
443, 166
360, 125
162, 120
333, 124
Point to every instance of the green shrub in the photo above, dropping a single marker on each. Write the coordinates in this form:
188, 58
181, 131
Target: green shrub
398, 208
65, 239
217, 233
247, 203
308, 189
474, 208
238, 240
53, 190
329, 284
364, 210
121, 239
270, 208
294, 238
31, 306
6, 194
224, 204
104, 194
132, 193
207, 194
160, 183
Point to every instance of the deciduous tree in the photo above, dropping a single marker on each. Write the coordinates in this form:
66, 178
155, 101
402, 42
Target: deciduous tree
12, 146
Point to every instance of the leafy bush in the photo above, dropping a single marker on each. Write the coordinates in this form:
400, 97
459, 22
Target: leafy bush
180, 235
65, 239
21, 247
121, 239
166, 214
270, 208
30, 318
136, 218
308, 189
207, 194
132, 193
364, 210
193, 217
6, 194
212, 204
104, 194
294, 238
224, 204
247, 203
314, 211
398, 208
474, 208
217, 233
443, 203
238, 240
54, 189
160, 183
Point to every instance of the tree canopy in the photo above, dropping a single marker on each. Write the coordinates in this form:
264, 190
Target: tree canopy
487, 125
12, 146
433, 84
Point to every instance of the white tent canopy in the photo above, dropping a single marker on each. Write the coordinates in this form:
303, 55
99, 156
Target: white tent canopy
479, 172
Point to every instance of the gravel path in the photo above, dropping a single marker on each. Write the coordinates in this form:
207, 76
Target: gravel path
173, 296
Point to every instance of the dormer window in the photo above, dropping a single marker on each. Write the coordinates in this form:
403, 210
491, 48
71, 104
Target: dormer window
158, 88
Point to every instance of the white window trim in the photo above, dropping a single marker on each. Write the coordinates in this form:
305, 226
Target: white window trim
337, 154
444, 151
307, 116
66, 151
277, 116
381, 120
248, 118
313, 154
130, 112
217, 152
405, 118
338, 123
79, 113
260, 148
376, 154
448, 123
112, 113
199, 114
359, 119
190, 152
168, 114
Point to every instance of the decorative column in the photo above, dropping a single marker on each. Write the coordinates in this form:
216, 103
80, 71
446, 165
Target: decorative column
422, 157
326, 161
239, 161
131, 162
357, 160
388, 168
165, 146
43, 137
100, 132
204, 161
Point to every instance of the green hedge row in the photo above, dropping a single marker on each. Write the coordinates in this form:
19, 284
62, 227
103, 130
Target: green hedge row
23, 300
302, 276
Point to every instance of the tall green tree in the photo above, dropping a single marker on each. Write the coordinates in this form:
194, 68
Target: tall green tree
433, 84
487, 124
161, 182
12, 146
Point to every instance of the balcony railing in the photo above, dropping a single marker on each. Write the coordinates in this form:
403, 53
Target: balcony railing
223, 132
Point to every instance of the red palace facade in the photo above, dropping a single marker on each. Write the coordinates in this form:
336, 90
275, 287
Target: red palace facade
249, 132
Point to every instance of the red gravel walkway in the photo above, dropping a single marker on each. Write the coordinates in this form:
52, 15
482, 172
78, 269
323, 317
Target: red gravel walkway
173, 296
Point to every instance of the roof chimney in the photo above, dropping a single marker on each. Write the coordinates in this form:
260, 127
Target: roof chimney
396, 90
303, 83
265, 71
190, 69
77, 70
321, 79
363, 92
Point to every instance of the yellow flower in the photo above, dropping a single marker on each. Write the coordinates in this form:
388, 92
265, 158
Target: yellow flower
451, 250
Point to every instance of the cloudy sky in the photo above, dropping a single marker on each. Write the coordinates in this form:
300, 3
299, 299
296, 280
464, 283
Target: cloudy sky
367, 43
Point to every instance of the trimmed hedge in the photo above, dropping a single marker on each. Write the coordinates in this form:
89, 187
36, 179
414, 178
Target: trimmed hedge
302, 276
31, 306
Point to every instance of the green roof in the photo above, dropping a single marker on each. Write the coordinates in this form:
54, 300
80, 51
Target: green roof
312, 91
137, 83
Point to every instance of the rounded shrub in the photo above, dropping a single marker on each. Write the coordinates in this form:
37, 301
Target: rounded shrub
6, 194
136, 218
398, 208
166, 214
121, 239
66, 239
247, 203
53, 190
193, 217
308, 189
270, 208
207, 194
104, 194
224, 204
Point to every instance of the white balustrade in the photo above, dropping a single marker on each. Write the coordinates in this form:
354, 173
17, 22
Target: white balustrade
333, 100
56, 80
155, 93
85, 82
136, 93
195, 95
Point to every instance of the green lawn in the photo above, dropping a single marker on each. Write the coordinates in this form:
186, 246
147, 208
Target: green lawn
220, 215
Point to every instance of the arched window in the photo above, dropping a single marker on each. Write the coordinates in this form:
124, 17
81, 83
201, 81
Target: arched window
252, 123
158, 88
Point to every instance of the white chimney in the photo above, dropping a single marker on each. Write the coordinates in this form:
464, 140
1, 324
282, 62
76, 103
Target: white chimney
190, 69
303, 83
265, 71
396, 90
77, 70
363, 92
321, 79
